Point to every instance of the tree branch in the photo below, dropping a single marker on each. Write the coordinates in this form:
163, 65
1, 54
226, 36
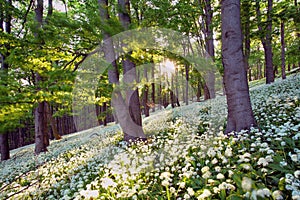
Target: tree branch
25, 18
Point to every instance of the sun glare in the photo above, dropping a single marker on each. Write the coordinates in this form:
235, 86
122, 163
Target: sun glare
167, 67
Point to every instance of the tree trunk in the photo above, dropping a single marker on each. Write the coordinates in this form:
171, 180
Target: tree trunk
282, 50
267, 41
206, 92
198, 90
172, 96
209, 43
40, 112
153, 89
240, 114
1, 16
176, 86
246, 33
145, 94
4, 144
127, 112
104, 110
39, 122
132, 100
52, 122
186, 84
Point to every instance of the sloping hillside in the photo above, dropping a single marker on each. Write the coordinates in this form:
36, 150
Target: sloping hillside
187, 156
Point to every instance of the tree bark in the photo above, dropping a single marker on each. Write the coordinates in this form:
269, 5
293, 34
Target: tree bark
41, 133
127, 112
267, 41
209, 44
186, 84
246, 33
104, 110
153, 89
240, 114
145, 94
1, 16
52, 121
4, 143
283, 75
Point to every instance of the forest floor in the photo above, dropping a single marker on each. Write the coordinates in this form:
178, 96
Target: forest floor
187, 156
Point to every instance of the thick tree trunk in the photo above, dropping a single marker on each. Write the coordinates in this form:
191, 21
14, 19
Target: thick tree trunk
127, 112
240, 114
4, 146
39, 122
267, 41
283, 75
4, 143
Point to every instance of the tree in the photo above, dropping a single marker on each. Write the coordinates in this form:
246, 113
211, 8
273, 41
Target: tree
246, 14
127, 111
209, 87
4, 144
40, 112
283, 75
240, 114
266, 39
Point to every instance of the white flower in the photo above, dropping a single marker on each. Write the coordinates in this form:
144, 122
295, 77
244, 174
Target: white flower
217, 168
144, 191
228, 152
283, 163
214, 161
108, 182
204, 169
206, 193
277, 195
263, 192
294, 157
262, 161
220, 176
190, 191
247, 184
206, 175
165, 183
165, 175
297, 174
89, 194
172, 190
181, 184
186, 196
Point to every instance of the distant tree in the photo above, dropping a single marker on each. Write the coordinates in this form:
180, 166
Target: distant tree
266, 39
240, 114
209, 86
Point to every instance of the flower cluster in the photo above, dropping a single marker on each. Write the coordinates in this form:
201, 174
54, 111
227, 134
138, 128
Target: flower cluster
187, 156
